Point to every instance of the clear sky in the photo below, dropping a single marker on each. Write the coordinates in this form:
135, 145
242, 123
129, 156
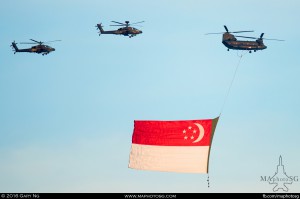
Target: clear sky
66, 119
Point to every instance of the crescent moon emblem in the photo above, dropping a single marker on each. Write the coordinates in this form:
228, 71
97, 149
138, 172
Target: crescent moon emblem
201, 132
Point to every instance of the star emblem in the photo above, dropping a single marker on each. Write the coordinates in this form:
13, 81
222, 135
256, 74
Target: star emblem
193, 133
189, 133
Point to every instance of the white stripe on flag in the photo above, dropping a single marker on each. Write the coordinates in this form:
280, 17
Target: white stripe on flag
189, 159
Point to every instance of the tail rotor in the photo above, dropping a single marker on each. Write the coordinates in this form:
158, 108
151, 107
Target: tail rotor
14, 46
99, 27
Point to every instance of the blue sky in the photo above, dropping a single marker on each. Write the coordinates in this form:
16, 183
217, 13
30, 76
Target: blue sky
66, 119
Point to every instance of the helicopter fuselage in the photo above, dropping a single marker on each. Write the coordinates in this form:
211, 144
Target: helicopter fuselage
232, 43
38, 49
129, 31
126, 31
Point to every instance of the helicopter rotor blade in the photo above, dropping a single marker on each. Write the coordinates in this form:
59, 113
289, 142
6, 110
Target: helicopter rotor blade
137, 22
138, 26
51, 41
242, 31
39, 42
247, 37
128, 25
261, 36
27, 43
236, 31
273, 39
214, 33
36, 41
229, 32
119, 23
226, 28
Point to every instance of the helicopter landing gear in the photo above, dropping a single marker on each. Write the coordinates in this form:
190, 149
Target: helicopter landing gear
228, 49
254, 50
250, 51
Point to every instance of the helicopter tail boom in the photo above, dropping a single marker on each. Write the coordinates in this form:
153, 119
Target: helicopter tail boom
100, 28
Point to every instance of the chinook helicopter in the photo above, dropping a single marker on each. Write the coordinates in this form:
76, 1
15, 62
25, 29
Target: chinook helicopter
230, 41
126, 30
40, 48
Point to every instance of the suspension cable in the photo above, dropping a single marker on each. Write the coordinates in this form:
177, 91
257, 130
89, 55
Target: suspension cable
230, 85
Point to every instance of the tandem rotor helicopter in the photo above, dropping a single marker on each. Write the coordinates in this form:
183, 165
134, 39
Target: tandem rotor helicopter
126, 30
230, 41
40, 48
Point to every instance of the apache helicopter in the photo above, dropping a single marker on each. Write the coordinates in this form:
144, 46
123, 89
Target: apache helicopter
230, 41
40, 48
126, 30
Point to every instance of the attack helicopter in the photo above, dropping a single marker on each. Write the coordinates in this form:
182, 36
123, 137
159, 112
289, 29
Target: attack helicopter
230, 41
40, 48
126, 30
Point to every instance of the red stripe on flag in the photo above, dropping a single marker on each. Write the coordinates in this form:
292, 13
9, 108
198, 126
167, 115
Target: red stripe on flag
172, 133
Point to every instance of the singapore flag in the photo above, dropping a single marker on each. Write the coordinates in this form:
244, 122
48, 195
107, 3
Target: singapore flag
173, 146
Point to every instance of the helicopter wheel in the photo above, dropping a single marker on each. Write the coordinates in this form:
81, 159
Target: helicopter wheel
227, 49
250, 51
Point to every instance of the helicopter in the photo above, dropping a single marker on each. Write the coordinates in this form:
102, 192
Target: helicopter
126, 30
40, 48
230, 41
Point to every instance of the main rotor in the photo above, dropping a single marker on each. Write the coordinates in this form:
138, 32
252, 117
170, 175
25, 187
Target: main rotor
126, 24
38, 42
227, 31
